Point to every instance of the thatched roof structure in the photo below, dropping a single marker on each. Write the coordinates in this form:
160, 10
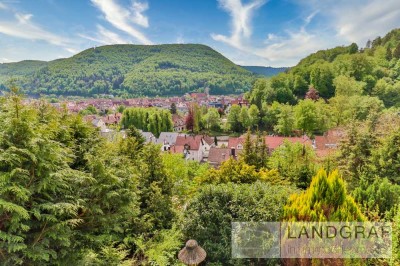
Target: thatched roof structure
192, 253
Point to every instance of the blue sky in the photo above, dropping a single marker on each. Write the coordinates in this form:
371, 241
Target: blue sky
249, 32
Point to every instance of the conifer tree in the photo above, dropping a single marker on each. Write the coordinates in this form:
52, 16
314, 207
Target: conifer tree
255, 152
155, 192
173, 108
386, 158
38, 207
325, 200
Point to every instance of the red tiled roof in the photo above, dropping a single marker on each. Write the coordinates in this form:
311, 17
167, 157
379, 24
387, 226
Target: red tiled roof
274, 142
218, 155
208, 139
178, 120
329, 141
239, 102
198, 95
177, 149
193, 141
89, 118
233, 142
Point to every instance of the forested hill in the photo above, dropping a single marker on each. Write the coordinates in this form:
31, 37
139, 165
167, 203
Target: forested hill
265, 71
131, 70
345, 71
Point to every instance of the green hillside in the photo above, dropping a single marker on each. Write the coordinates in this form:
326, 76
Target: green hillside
132, 70
27, 67
373, 70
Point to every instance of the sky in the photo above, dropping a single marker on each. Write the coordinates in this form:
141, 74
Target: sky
249, 32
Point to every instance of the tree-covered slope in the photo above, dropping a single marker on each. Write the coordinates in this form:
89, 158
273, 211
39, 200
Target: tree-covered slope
131, 70
23, 68
373, 70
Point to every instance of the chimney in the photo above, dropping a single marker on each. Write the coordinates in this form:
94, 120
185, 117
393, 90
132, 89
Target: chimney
233, 152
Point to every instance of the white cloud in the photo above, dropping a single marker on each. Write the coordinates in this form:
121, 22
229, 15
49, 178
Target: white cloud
277, 50
123, 19
23, 18
138, 17
367, 20
287, 51
3, 6
340, 22
357, 20
24, 28
105, 36
241, 15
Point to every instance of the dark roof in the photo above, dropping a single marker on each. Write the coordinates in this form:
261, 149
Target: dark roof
209, 140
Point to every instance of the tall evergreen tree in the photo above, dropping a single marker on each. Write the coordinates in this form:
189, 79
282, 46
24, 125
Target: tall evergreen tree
155, 196
173, 108
325, 200
255, 151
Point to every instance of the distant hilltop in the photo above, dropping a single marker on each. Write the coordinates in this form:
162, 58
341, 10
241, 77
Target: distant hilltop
131, 70
266, 71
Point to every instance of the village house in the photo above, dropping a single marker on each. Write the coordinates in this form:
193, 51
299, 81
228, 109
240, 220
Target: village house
179, 123
274, 142
148, 136
199, 96
222, 141
208, 143
329, 142
167, 139
112, 119
191, 147
236, 143
219, 155
99, 123
240, 101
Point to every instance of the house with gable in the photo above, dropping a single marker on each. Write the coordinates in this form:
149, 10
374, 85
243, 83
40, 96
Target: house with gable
179, 123
148, 136
208, 143
236, 143
329, 142
167, 139
99, 123
189, 146
219, 155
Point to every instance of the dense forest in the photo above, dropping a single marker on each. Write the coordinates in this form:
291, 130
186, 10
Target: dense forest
131, 70
347, 72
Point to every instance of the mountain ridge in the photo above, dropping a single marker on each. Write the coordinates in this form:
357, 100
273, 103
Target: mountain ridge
131, 70
265, 71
